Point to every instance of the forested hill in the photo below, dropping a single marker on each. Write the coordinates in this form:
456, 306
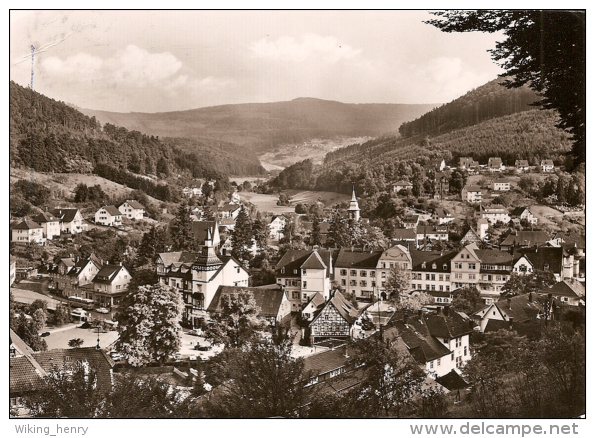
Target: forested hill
49, 135
264, 126
489, 101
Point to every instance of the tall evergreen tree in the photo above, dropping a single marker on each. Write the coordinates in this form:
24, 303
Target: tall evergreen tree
180, 230
315, 237
241, 237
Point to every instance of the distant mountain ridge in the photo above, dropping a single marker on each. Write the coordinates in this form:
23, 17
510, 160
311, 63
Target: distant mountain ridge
263, 126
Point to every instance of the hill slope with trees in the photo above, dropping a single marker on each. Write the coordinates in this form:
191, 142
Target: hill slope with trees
49, 135
264, 126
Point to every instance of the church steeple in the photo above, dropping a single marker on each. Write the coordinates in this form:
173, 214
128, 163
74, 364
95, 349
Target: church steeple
353, 210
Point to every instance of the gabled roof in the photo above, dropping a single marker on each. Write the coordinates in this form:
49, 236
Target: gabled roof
519, 307
345, 309
526, 238
430, 258
494, 257
402, 183
177, 258
314, 262
107, 274
494, 162
568, 288
293, 260
521, 163
502, 180
80, 264
326, 361
45, 217
97, 359
517, 211
268, 300
452, 381
540, 257
547, 162
135, 204
111, 209
404, 234
26, 224
472, 188
441, 212
65, 214
25, 374
358, 259
317, 300
430, 229
448, 327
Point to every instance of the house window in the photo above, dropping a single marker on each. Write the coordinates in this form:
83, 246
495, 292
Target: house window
440, 277
438, 362
471, 276
305, 296
363, 273
433, 277
428, 277
434, 266
465, 351
452, 356
304, 284
471, 265
459, 361
445, 266
343, 272
295, 295
295, 271
363, 283
343, 282
353, 273
432, 365
458, 342
336, 372
303, 272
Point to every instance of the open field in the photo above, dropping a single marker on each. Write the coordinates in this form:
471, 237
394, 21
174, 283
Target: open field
315, 150
269, 202
66, 182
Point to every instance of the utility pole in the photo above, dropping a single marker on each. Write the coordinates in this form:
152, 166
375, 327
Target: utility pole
31, 138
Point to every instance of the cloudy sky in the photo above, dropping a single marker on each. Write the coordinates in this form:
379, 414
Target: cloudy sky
152, 61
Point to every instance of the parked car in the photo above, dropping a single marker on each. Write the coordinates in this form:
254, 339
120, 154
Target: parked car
195, 332
44, 334
200, 347
192, 358
102, 310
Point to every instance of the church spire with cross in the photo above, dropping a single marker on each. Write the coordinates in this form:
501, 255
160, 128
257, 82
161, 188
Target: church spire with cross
353, 210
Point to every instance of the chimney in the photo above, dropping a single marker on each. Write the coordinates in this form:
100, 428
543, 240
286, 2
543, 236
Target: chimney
510, 321
530, 297
439, 311
107, 262
509, 303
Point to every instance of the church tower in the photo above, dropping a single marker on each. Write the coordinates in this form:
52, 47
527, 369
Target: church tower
353, 210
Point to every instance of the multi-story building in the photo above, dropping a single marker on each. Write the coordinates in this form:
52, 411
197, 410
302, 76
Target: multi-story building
523, 213
501, 185
132, 209
547, 165
521, 165
110, 284
70, 274
198, 275
27, 231
304, 273
431, 271
465, 267
494, 214
335, 319
471, 194
495, 164
71, 220
108, 215
49, 224
494, 272
356, 272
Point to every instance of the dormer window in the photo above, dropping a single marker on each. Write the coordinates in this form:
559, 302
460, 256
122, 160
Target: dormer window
295, 271
546, 267
445, 266
282, 270
423, 265
434, 266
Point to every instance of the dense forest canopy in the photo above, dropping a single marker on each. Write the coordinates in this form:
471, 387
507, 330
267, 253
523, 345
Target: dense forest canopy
48, 135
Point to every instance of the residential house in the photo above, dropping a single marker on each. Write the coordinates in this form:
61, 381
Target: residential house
229, 211
29, 368
437, 164
482, 228
471, 194
468, 164
501, 185
313, 306
571, 292
431, 271
71, 220
70, 274
108, 215
304, 273
443, 216
547, 165
203, 229
192, 191
49, 223
332, 370
439, 343
441, 185
411, 221
272, 302
494, 271
425, 233
495, 164
521, 165
523, 214
26, 232
555, 260
356, 272
465, 267
519, 309
405, 235
524, 239
110, 284
494, 214
402, 185
276, 226
471, 237
393, 257
132, 209
334, 320
198, 276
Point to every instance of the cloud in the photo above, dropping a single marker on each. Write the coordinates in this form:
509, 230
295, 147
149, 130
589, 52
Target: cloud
309, 47
136, 66
81, 64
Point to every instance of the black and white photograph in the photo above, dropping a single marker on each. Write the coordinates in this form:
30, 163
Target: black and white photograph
297, 214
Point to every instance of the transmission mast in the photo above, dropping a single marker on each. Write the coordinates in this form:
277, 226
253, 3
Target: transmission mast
32, 109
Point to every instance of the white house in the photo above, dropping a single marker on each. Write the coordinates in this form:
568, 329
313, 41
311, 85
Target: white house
521, 165
501, 185
276, 226
108, 215
471, 194
132, 209
547, 165
27, 231
71, 220
494, 213
495, 164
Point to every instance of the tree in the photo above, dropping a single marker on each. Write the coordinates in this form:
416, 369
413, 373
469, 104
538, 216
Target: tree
38, 319
544, 49
398, 283
338, 233
391, 379
28, 331
261, 234
62, 315
265, 381
466, 299
149, 324
237, 323
180, 230
152, 243
75, 343
241, 237
316, 237
413, 303
519, 284
70, 391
